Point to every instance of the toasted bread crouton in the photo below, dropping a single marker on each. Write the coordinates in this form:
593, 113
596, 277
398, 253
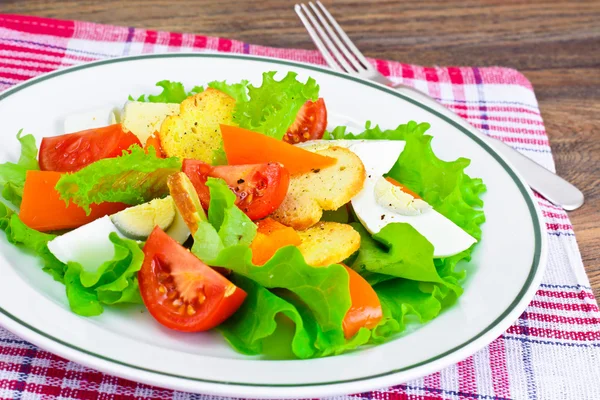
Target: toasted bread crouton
186, 200
195, 132
325, 189
328, 243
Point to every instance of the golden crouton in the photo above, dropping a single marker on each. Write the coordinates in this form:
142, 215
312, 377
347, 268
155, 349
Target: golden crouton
186, 200
328, 243
195, 132
325, 189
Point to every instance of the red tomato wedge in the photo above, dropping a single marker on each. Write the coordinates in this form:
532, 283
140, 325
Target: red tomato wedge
402, 187
260, 188
180, 291
246, 147
154, 141
73, 151
42, 208
270, 237
310, 123
366, 308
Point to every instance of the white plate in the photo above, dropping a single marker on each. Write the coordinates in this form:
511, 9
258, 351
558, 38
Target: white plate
503, 275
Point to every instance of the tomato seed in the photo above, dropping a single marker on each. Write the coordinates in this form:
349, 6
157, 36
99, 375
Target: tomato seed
177, 302
162, 289
201, 297
190, 310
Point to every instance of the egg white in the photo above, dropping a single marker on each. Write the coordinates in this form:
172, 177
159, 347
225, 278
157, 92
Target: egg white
91, 119
90, 246
87, 245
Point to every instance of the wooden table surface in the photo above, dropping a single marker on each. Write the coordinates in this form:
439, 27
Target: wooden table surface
556, 44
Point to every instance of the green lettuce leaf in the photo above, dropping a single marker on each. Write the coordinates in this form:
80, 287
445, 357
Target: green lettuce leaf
323, 289
375, 133
226, 226
133, 178
252, 328
443, 184
273, 106
397, 250
239, 91
400, 299
12, 175
114, 282
32, 241
172, 92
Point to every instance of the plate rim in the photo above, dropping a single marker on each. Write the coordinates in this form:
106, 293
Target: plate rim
475, 342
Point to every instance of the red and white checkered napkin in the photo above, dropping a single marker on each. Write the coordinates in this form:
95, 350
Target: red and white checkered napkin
551, 352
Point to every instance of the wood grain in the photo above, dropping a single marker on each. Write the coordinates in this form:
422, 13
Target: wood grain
554, 43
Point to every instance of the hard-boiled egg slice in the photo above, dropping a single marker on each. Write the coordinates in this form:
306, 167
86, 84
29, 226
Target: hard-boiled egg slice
378, 204
89, 120
381, 203
87, 245
90, 246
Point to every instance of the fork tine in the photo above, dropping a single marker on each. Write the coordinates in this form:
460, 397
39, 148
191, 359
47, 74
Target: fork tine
330, 46
345, 38
317, 40
334, 36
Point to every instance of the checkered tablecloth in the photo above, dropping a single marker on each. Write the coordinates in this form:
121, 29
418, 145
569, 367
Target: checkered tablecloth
551, 352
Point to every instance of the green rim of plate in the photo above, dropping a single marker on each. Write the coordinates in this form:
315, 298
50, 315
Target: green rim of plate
523, 190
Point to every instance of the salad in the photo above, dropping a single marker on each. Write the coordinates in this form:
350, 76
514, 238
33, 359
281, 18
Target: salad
232, 207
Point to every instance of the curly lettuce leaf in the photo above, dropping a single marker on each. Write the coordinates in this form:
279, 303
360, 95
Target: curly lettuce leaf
252, 328
397, 250
273, 106
400, 299
239, 91
133, 178
376, 133
12, 175
278, 326
226, 226
323, 289
115, 281
32, 241
443, 184
172, 92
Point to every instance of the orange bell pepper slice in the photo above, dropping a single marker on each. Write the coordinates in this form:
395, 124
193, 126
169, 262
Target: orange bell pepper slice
43, 209
246, 147
270, 237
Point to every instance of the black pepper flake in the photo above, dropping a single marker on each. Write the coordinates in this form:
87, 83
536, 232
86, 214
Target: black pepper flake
382, 216
240, 181
369, 176
317, 170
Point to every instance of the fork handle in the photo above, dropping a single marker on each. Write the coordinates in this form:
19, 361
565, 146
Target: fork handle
554, 188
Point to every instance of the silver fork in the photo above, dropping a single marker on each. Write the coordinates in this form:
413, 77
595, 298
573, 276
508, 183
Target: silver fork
343, 56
